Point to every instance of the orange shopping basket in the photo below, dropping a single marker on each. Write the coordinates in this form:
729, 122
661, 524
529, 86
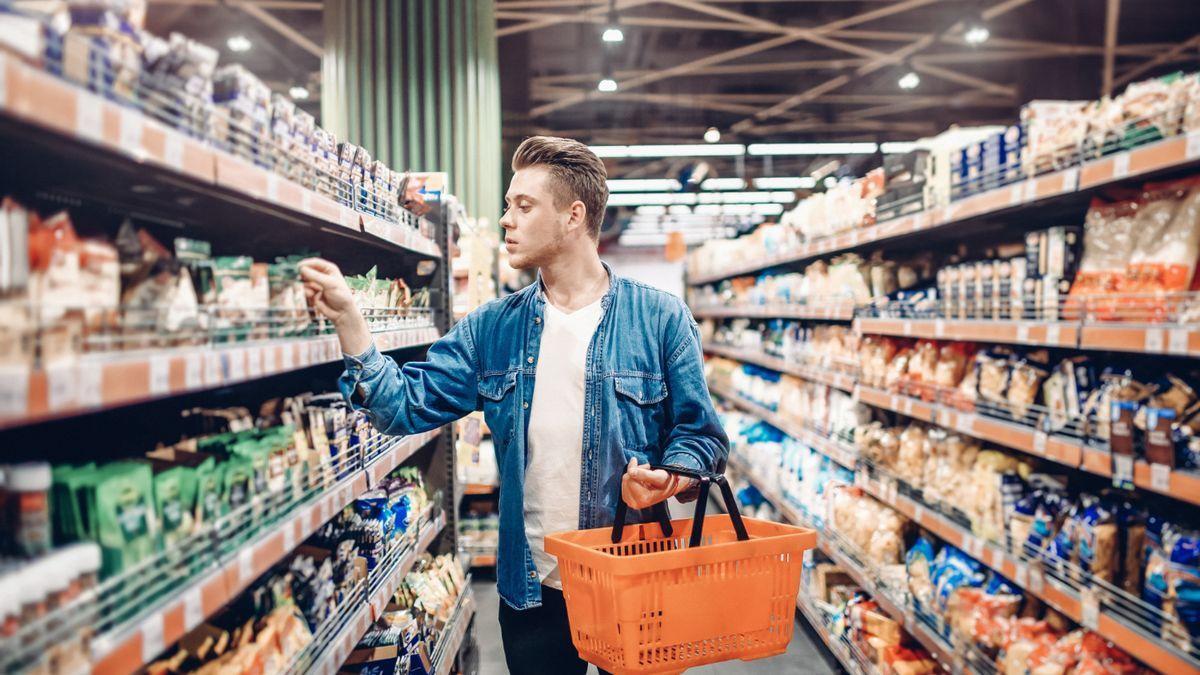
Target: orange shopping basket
663, 597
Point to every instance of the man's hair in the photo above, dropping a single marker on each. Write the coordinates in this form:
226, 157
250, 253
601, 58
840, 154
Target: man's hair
577, 173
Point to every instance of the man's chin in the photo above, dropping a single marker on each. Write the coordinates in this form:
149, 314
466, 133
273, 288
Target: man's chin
520, 262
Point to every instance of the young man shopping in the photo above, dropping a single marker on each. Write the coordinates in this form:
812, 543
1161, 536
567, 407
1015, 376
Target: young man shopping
579, 375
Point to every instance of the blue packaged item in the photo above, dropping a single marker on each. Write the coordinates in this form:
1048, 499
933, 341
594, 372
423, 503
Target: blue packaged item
920, 564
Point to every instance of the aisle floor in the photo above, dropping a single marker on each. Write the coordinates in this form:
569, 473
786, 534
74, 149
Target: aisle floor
805, 656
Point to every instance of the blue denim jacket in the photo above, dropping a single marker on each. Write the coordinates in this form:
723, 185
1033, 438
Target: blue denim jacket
645, 397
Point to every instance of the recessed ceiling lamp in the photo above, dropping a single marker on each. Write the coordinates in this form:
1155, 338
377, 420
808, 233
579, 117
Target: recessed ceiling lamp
298, 93
612, 28
712, 135
607, 83
909, 79
239, 43
975, 29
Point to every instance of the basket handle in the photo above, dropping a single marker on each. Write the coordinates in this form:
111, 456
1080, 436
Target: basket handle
706, 479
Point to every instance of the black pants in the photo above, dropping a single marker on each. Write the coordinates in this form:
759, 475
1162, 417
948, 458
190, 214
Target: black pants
538, 641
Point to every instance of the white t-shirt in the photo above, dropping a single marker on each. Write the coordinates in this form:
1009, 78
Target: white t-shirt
556, 431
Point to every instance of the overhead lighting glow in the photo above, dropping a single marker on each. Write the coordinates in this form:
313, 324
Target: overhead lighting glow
651, 198
830, 181
712, 135
746, 197
897, 147
651, 210
768, 209
696, 150
643, 184
723, 184
607, 85
679, 210
613, 34
812, 148
298, 93
977, 35
909, 80
785, 183
239, 44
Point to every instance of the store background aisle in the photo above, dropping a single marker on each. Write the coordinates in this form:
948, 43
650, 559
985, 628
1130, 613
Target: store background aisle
805, 655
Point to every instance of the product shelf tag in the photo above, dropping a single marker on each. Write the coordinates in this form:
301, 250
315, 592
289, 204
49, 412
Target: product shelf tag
14, 391
1160, 478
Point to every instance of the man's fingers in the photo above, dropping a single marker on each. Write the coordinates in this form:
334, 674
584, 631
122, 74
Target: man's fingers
656, 478
319, 264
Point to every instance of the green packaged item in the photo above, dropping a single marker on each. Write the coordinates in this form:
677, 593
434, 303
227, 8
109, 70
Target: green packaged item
208, 505
237, 483
124, 515
174, 502
70, 516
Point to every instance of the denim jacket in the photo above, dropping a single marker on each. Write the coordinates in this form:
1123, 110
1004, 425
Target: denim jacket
645, 397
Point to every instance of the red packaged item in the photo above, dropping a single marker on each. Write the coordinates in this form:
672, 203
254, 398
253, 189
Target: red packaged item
908, 661
1107, 245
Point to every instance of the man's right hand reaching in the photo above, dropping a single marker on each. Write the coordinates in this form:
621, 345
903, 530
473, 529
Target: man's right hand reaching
327, 292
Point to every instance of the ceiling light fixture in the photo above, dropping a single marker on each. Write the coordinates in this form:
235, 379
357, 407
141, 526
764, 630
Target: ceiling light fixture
712, 135
975, 29
643, 185
612, 27
812, 148
723, 184
909, 79
830, 181
785, 183
897, 147
607, 85
239, 43
694, 150
298, 93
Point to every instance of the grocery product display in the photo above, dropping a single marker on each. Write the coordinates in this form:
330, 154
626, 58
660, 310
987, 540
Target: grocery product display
184, 490
995, 442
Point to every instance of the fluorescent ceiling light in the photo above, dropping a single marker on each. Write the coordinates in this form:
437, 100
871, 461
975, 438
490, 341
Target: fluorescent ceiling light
768, 209
651, 198
298, 93
909, 80
651, 210
812, 148
607, 85
613, 34
724, 184
898, 147
643, 184
746, 197
785, 182
712, 135
239, 44
696, 150
679, 210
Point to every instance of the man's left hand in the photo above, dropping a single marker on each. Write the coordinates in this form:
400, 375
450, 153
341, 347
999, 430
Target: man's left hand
643, 487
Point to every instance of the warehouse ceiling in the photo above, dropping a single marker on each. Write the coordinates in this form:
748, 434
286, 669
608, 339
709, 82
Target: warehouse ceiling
758, 70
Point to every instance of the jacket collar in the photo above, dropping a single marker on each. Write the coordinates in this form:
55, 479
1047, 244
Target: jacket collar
539, 293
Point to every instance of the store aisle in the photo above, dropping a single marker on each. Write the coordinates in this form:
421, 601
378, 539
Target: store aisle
805, 655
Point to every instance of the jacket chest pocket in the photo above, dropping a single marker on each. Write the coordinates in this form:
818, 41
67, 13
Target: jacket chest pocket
641, 413
496, 394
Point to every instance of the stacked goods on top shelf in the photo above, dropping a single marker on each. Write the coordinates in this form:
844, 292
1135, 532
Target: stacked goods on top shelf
102, 47
946, 171
787, 345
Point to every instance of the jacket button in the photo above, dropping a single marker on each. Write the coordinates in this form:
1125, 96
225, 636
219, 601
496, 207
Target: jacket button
529, 359
533, 575
537, 319
525, 404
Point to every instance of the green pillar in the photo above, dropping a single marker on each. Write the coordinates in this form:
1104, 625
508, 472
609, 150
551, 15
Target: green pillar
417, 83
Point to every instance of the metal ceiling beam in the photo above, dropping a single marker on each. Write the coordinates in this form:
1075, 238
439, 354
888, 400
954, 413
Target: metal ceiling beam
599, 10
725, 69
847, 125
645, 21
1164, 57
1111, 18
302, 5
793, 36
278, 26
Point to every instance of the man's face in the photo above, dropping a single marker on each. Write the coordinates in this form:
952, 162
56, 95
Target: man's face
535, 229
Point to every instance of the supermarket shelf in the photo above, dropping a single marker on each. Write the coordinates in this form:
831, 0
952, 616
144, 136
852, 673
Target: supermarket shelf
334, 652
826, 376
455, 632
138, 641
97, 133
831, 312
382, 591
862, 576
99, 381
1044, 333
1072, 452
829, 447
832, 644
1175, 152
485, 560
1029, 575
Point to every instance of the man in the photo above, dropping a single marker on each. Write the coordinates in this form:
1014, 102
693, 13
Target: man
580, 375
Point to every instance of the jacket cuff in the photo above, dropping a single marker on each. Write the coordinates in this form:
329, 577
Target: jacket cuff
360, 371
686, 460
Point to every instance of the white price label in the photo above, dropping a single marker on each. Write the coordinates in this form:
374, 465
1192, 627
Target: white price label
1016, 194
289, 535
61, 381
193, 371
965, 424
1039, 442
1193, 144
974, 547
193, 608
854, 237
89, 116
152, 637
908, 406
254, 363
160, 375
237, 364
131, 131
270, 356
287, 357
1022, 332
1021, 576
14, 390
246, 564
314, 352
1070, 179
214, 370
173, 151
939, 328
1037, 581
860, 479
918, 513
272, 187
1121, 165
1052, 334
1160, 477
1030, 193
1177, 341
306, 201
1089, 609
1122, 469
1154, 340
894, 402
89, 391
908, 328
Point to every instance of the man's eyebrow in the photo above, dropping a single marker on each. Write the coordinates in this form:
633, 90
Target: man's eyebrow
518, 197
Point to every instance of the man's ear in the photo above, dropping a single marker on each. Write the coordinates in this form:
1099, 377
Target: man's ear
578, 215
